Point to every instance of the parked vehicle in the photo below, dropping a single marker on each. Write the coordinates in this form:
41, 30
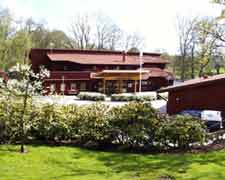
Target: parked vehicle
213, 119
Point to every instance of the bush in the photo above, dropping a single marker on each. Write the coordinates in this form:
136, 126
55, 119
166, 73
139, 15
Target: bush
133, 97
92, 123
134, 124
51, 123
181, 132
10, 119
93, 96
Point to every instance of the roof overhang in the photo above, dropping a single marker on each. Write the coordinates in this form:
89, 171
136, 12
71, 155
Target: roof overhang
121, 75
195, 83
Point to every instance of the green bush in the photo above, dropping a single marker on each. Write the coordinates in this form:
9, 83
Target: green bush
132, 97
93, 96
181, 132
92, 122
51, 123
134, 124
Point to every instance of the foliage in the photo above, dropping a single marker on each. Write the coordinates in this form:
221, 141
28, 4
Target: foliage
51, 123
181, 131
134, 125
23, 84
132, 97
92, 123
93, 96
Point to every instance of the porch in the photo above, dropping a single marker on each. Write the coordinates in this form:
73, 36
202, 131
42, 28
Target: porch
120, 81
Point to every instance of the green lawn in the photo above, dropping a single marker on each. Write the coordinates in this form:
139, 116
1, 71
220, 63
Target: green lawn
44, 163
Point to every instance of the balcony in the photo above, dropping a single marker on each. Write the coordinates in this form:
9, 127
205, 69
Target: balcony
70, 75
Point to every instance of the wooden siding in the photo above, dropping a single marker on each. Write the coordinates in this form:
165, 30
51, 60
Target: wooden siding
211, 97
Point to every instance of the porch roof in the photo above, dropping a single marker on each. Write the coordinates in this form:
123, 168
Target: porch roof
121, 75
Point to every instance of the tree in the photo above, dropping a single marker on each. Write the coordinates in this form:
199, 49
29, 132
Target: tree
103, 33
5, 31
133, 41
207, 43
21, 87
81, 31
187, 43
15, 40
108, 34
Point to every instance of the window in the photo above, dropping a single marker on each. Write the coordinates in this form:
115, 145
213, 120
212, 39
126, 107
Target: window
63, 87
94, 68
144, 82
129, 85
52, 87
65, 68
73, 86
82, 86
118, 67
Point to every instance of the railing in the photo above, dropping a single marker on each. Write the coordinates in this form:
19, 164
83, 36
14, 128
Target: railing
70, 75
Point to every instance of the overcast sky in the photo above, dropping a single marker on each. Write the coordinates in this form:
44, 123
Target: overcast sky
155, 20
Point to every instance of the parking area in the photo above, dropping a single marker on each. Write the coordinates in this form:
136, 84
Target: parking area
66, 100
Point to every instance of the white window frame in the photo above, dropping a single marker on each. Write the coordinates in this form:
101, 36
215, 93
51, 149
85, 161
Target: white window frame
73, 86
62, 87
52, 87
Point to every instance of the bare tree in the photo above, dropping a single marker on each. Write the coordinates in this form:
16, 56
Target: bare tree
108, 34
81, 31
133, 41
187, 41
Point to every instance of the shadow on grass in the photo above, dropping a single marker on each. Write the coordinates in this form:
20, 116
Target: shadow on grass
176, 165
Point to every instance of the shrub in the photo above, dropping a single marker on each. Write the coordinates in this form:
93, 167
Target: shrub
132, 97
181, 132
93, 96
51, 123
134, 124
92, 123
10, 115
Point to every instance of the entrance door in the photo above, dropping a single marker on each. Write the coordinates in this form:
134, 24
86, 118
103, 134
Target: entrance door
111, 87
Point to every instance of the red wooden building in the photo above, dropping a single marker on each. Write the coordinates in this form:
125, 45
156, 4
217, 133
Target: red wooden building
206, 93
109, 72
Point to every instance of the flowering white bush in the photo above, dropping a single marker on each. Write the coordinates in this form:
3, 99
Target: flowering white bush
23, 83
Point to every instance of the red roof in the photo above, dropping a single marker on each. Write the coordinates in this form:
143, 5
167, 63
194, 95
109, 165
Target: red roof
195, 82
103, 57
157, 72
93, 59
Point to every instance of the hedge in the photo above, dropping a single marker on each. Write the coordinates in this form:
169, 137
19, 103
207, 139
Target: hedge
133, 97
93, 96
134, 125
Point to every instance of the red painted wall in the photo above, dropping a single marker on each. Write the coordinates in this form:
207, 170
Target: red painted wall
210, 97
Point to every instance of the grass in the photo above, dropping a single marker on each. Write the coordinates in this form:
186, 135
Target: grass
69, 163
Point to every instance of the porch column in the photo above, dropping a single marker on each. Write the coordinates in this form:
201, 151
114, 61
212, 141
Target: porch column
120, 86
104, 86
135, 86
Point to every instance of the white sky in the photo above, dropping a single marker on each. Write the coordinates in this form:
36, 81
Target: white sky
155, 20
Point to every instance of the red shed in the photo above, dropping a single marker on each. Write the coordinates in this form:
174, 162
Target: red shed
202, 93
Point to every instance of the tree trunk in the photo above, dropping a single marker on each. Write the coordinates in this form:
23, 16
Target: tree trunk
192, 62
183, 68
22, 135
